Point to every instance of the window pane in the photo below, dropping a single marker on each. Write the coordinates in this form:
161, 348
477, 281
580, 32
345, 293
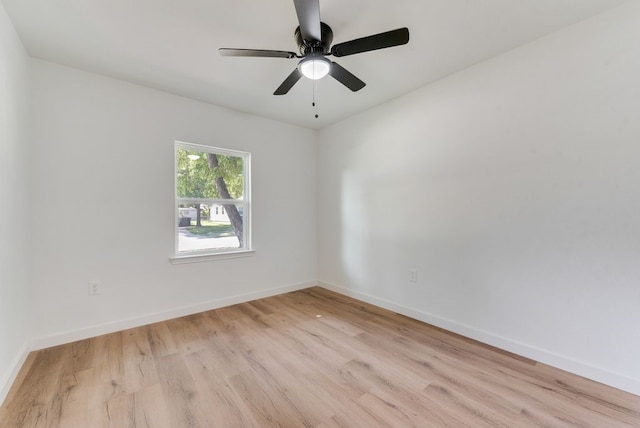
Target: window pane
212, 199
209, 175
202, 227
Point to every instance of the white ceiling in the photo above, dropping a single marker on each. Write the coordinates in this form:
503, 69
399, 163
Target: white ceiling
172, 45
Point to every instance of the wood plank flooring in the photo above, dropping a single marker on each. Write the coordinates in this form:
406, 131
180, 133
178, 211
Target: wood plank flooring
310, 358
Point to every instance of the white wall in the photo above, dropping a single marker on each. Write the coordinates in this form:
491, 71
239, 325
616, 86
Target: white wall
103, 146
14, 194
514, 189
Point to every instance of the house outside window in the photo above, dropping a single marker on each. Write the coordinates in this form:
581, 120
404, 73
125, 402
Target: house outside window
212, 203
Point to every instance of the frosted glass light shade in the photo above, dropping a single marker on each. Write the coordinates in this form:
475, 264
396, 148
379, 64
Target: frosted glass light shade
315, 68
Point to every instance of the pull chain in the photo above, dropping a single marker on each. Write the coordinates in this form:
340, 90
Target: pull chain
313, 104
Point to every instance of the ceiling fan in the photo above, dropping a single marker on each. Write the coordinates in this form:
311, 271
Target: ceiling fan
314, 40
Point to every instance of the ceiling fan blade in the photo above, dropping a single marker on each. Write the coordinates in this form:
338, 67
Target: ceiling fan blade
309, 18
288, 83
345, 77
372, 43
263, 53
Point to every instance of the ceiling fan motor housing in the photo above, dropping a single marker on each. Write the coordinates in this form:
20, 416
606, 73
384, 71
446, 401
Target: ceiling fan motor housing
315, 46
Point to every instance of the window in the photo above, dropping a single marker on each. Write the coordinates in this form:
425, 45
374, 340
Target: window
212, 200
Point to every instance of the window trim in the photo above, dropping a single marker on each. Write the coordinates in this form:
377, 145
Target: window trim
196, 258
246, 248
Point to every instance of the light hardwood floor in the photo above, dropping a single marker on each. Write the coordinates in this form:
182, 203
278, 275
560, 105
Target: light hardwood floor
311, 358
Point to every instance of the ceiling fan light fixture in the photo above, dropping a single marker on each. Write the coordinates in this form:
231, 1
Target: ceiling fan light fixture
315, 67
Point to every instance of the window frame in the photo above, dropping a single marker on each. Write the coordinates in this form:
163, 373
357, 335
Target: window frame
245, 248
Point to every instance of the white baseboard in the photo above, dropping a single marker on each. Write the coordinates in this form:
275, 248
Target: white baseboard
111, 327
597, 374
10, 375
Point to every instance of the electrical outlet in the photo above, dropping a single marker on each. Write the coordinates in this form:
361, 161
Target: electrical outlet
94, 288
413, 275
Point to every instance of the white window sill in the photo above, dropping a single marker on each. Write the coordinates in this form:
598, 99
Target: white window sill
196, 258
